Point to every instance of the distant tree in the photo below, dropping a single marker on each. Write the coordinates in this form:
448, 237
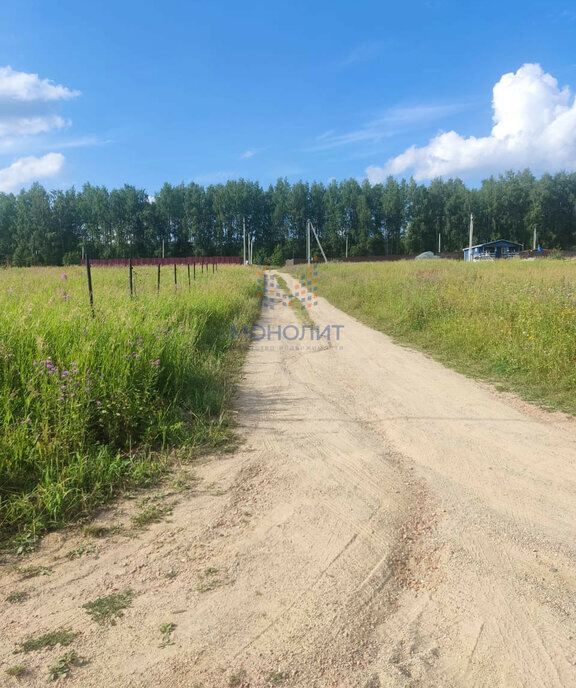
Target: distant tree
7, 227
41, 228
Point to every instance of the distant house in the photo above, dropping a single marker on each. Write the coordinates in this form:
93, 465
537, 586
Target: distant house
493, 250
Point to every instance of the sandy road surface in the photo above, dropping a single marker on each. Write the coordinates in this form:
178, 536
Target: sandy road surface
387, 522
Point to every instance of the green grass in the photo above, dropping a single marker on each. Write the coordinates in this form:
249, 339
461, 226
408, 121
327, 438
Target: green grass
81, 551
64, 664
105, 610
237, 678
302, 314
93, 405
17, 671
61, 637
512, 322
166, 630
32, 571
151, 513
17, 597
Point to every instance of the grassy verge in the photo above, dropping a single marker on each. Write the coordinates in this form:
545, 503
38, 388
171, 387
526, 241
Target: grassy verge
88, 404
301, 313
512, 322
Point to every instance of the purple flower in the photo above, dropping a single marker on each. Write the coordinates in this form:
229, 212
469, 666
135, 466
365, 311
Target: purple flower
98, 403
62, 386
64, 276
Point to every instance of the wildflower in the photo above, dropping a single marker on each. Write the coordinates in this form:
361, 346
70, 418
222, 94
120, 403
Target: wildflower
64, 276
98, 403
62, 386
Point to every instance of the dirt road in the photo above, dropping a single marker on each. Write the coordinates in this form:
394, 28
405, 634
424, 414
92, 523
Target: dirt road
386, 522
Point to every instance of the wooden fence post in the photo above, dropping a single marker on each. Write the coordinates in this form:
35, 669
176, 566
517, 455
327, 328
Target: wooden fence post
130, 274
89, 276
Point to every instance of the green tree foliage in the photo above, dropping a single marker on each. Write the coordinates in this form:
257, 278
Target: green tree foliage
38, 227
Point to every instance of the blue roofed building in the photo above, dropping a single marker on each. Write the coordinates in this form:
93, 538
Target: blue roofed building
494, 250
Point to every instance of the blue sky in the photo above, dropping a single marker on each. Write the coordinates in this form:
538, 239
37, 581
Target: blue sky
149, 92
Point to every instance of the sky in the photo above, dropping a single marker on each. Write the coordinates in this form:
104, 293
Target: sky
144, 93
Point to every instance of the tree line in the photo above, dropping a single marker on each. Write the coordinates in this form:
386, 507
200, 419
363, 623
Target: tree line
40, 227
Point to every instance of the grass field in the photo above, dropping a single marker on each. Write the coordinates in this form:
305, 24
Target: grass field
512, 322
91, 404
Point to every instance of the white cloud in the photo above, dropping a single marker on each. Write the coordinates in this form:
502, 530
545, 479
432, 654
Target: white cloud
27, 106
534, 126
29, 87
390, 123
28, 126
28, 169
248, 154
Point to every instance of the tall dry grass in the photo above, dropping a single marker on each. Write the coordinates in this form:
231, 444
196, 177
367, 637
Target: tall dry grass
513, 322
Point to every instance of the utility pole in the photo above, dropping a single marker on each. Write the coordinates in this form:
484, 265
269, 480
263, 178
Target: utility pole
346, 244
439, 243
534, 246
244, 240
309, 228
471, 233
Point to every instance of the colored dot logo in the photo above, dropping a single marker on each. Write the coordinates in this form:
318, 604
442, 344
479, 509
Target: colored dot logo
305, 292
